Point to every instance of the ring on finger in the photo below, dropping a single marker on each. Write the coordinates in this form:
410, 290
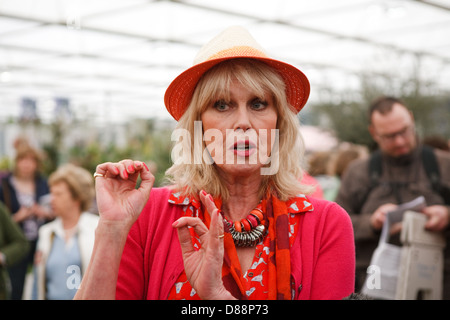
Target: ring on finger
96, 174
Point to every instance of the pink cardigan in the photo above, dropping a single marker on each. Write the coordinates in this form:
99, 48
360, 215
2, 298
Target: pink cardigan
322, 257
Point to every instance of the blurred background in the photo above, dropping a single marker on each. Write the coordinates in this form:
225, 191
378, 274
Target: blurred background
84, 80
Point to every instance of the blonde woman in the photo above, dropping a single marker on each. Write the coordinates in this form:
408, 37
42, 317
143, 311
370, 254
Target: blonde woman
65, 244
235, 222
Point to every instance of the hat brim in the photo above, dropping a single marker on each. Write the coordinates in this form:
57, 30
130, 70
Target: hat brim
179, 93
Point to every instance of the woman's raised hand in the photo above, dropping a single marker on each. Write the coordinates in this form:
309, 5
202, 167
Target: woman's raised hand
204, 267
119, 204
118, 199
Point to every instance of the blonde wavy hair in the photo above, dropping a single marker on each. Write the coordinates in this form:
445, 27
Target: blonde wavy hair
260, 78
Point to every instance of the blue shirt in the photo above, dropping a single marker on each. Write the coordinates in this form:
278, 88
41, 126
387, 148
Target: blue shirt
63, 267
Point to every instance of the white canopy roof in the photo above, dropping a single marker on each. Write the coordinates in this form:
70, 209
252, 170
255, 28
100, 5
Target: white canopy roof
113, 59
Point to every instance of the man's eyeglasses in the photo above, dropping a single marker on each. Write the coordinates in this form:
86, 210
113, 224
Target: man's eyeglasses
392, 136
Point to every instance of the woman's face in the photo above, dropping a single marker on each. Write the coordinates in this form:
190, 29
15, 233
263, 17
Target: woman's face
26, 166
239, 133
62, 201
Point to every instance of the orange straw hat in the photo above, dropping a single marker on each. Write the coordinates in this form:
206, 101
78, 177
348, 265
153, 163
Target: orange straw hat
234, 42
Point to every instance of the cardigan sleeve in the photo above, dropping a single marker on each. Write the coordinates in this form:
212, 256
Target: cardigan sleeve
130, 282
151, 256
15, 245
334, 269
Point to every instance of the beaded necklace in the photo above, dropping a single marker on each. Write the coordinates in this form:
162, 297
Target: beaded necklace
249, 231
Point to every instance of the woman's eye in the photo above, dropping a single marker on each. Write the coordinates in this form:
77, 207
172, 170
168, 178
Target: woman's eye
259, 104
221, 105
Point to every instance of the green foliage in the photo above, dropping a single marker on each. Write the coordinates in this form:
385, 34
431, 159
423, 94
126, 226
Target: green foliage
346, 114
143, 142
151, 147
348, 120
4, 164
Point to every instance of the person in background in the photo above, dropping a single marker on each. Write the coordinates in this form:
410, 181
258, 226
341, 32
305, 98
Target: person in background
13, 247
319, 167
438, 142
24, 192
368, 197
236, 222
65, 244
328, 167
345, 156
311, 181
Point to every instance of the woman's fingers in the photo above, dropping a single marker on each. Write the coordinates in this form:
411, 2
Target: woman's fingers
208, 202
107, 169
204, 267
215, 232
116, 190
147, 180
184, 235
123, 169
127, 168
216, 228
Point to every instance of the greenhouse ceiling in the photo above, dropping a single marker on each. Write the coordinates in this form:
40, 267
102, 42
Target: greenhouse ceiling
111, 60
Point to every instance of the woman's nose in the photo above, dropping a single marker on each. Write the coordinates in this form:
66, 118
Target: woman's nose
242, 120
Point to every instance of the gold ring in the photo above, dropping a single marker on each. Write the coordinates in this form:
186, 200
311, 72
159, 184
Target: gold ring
98, 175
221, 236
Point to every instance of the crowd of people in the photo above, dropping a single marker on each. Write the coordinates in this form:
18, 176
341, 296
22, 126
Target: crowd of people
239, 222
46, 228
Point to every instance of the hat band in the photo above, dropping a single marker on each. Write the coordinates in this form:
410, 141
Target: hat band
239, 51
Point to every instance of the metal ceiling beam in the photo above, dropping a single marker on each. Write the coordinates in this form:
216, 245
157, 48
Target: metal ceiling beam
315, 30
67, 75
128, 35
118, 10
62, 54
59, 54
433, 4
70, 91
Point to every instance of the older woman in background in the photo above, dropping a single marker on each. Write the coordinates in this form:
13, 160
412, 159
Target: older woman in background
65, 244
25, 193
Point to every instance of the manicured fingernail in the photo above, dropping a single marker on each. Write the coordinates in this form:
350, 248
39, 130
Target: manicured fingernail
145, 166
204, 193
211, 198
130, 168
125, 173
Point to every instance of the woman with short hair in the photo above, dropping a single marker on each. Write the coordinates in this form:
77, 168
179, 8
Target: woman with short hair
65, 245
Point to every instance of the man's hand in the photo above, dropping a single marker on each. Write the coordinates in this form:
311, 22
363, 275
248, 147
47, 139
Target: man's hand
379, 216
438, 217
